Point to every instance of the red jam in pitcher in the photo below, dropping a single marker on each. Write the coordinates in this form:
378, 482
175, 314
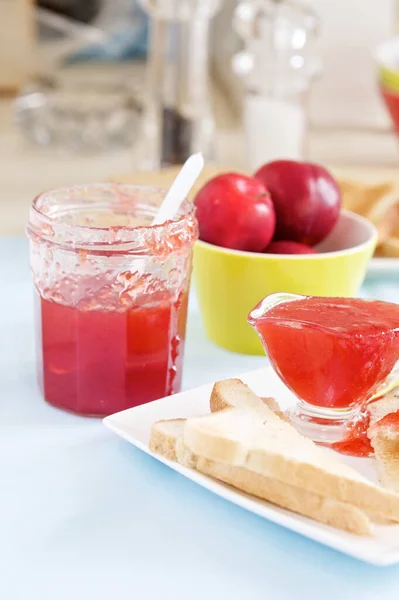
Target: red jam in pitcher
331, 352
112, 296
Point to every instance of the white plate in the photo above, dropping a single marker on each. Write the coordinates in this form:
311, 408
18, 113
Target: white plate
134, 425
385, 267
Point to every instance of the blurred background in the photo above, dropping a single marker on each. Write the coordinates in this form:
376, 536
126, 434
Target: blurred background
124, 89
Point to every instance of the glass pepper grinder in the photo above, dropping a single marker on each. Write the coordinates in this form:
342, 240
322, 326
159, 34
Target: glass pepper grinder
177, 117
277, 65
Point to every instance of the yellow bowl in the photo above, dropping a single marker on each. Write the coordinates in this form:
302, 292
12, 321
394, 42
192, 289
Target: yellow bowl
229, 283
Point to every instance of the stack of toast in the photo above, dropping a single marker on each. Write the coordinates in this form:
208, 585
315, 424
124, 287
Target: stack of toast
246, 442
379, 203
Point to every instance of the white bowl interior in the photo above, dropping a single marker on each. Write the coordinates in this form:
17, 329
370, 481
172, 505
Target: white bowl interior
387, 54
351, 231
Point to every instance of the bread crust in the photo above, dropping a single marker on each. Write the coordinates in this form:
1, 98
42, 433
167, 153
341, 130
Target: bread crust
325, 510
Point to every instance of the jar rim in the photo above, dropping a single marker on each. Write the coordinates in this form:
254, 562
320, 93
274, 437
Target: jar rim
50, 225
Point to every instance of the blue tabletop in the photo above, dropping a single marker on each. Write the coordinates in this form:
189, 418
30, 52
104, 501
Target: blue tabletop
86, 516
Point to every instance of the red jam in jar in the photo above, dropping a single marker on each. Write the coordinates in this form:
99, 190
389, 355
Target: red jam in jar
112, 296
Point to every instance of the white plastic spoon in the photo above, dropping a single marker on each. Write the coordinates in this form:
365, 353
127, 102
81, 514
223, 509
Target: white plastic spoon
180, 188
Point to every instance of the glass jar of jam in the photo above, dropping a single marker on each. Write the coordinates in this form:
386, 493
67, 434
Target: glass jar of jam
111, 293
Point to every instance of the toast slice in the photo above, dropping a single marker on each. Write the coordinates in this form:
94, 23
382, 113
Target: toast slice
380, 408
228, 393
270, 446
233, 393
384, 438
167, 440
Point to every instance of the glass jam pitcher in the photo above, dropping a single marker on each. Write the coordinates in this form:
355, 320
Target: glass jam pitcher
332, 353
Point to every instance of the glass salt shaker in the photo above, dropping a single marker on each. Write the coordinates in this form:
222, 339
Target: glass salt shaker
277, 65
177, 118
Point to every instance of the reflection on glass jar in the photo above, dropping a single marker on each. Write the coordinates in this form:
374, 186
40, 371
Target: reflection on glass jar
111, 296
